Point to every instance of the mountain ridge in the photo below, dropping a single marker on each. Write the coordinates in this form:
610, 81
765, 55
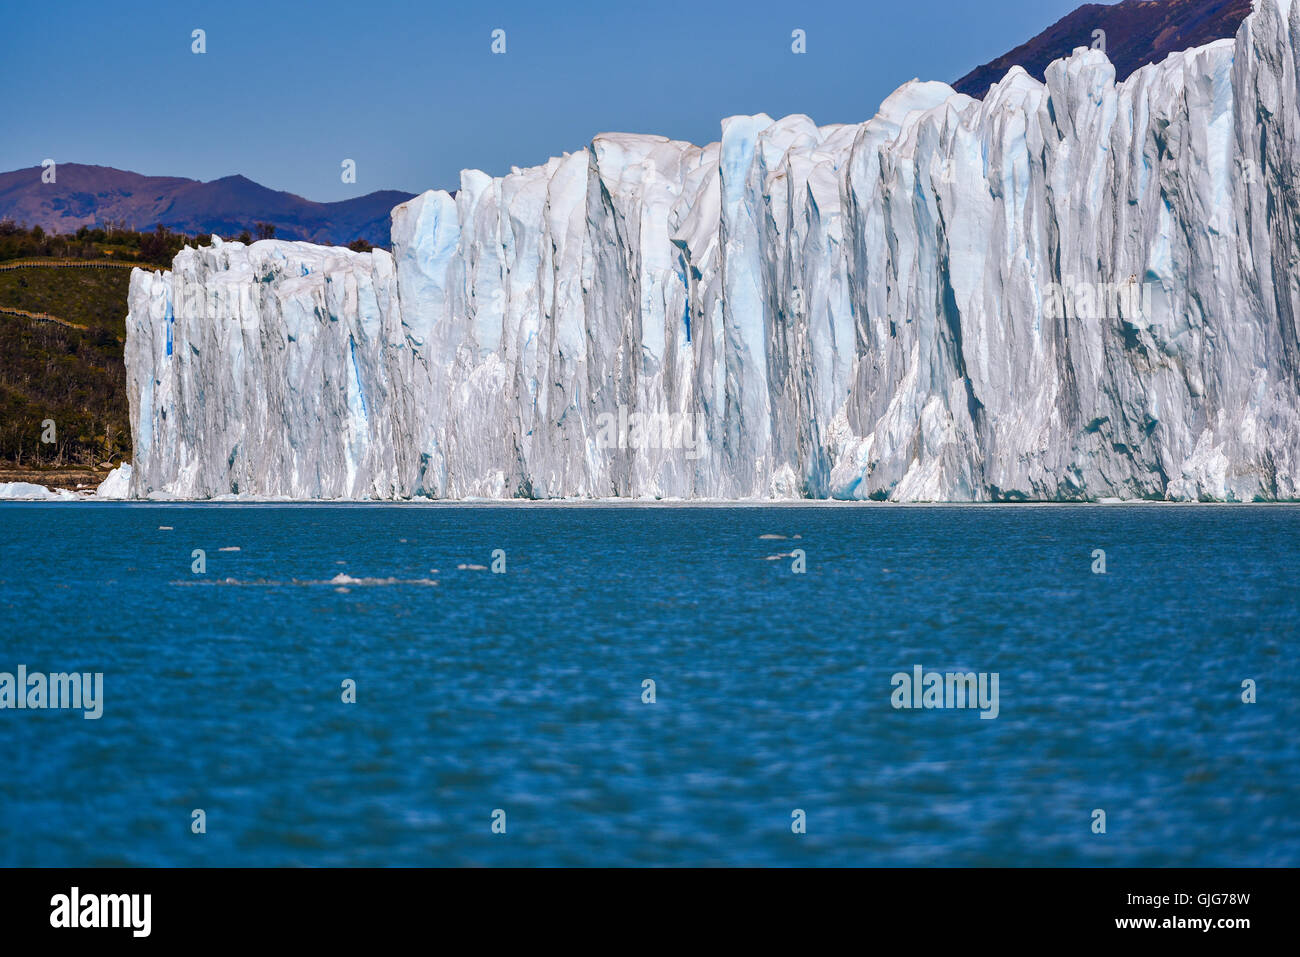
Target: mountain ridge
91, 195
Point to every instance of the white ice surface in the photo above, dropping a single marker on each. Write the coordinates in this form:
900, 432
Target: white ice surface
865, 304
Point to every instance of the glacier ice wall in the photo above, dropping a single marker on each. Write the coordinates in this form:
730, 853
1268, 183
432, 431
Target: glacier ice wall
1068, 290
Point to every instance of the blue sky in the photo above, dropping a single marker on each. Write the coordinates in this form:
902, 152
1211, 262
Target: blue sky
413, 93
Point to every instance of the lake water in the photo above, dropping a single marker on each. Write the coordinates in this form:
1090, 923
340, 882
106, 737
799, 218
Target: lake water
523, 692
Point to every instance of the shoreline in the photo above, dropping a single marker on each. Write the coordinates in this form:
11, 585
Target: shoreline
615, 503
72, 477
69, 485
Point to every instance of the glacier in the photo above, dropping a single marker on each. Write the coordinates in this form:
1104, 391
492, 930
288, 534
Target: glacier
1068, 291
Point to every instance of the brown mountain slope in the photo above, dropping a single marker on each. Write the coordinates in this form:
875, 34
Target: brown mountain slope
96, 195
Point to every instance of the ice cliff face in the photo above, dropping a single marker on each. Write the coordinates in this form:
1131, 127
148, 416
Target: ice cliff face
1068, 290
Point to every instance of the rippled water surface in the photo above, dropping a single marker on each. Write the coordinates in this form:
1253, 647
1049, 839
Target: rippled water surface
523, 691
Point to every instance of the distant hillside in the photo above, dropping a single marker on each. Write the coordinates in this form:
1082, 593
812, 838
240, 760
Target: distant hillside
100, 195
1138, 32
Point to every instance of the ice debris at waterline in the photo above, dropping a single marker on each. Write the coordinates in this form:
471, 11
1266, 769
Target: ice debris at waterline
1069, 290
116, 485
31, 492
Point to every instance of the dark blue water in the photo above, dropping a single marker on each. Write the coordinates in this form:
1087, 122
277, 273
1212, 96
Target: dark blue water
523, 691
